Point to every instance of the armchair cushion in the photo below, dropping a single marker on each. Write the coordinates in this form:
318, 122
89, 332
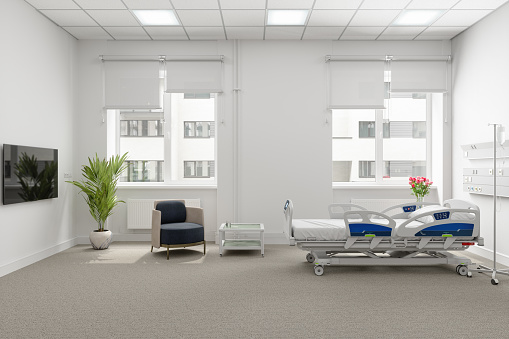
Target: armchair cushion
172, 212
181, 233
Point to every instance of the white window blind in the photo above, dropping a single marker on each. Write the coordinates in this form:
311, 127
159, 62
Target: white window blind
194, 76
356, 84
132, 84
419, 76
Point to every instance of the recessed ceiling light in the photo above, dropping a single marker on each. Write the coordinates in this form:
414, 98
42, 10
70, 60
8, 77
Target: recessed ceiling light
287, 17
156, 17
417, 17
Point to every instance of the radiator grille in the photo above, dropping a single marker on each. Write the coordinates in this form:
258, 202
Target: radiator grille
379, 205
139, 212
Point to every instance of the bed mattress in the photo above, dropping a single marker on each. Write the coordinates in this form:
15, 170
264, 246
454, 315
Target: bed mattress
328, 229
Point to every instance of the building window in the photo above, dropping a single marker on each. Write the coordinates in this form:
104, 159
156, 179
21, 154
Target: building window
157, 145
141, 128
367, 169
198, 169
143, 171
360, 153
198, 129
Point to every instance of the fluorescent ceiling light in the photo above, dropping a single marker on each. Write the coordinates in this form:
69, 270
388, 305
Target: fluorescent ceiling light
157, 17
417, 17
287, 17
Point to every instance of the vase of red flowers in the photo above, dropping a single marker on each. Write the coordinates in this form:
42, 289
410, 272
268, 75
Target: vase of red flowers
420, 187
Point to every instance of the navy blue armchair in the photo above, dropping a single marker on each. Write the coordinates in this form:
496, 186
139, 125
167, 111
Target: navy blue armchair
175, 225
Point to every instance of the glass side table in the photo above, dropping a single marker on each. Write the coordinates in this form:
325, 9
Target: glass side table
240, 244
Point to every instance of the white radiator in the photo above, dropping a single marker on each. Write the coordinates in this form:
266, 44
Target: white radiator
139, 212
378, 205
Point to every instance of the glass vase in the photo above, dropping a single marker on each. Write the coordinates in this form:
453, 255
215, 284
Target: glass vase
420, 199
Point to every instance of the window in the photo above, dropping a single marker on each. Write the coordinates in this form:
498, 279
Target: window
198, 129
367, 169
159, 149
198, 169
367, 129
361, 154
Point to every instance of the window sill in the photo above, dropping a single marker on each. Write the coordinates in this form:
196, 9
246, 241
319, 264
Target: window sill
372, 186
162, 186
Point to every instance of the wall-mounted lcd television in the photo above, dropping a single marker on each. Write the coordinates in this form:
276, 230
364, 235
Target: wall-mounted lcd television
29, 173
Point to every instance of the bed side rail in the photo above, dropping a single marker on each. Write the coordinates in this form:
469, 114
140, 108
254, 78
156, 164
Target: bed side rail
402, 211
444, 222
337, 210
287, 228
366, 223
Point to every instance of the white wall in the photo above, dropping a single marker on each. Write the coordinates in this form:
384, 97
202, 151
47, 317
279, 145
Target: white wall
37, 67
283, 129
481, 86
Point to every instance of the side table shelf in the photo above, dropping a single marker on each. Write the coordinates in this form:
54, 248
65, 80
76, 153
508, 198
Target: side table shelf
241, 244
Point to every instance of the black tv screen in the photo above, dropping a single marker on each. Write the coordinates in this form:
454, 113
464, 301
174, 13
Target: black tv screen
30, 173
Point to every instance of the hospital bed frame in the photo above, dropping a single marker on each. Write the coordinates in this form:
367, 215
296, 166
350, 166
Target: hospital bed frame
384, 247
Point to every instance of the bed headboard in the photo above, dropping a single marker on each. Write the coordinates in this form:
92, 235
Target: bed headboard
288, 211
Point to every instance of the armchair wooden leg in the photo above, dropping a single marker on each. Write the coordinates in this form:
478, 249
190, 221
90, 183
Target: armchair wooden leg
204, 245
167, 253
151, 248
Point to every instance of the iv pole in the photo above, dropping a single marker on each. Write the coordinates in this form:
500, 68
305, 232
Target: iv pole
482, 268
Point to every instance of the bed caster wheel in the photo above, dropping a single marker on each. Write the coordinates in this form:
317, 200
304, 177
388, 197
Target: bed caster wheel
493, 281
469, 274
462, 270
319, 270
310, 257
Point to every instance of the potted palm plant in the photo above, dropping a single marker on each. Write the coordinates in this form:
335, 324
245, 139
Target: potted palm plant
99, 187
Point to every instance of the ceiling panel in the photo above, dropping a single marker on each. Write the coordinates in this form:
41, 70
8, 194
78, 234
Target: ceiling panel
330, 17
206, 33
148, 4
167, 33
242, 4
431, 4
248, 33
195, 4
361, 33
289, 4
244, 17
403, 30
461, 17
127, 33
374, 17
69, 17
113, 17
291, 33
479, 4
210, 18
86, 33
100, 4
386, 4
328, 33
335, 4
53, 4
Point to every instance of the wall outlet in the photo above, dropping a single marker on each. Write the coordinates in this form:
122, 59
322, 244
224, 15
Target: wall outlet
67, 176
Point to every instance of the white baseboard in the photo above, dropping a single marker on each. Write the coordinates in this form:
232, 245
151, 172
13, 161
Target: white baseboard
33, 258
488, 254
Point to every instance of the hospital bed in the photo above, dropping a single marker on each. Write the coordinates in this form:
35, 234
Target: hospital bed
405, 235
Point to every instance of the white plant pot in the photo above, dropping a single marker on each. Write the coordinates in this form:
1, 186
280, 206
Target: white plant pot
100, 240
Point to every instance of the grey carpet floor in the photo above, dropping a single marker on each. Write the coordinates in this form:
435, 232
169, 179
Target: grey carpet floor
128, 292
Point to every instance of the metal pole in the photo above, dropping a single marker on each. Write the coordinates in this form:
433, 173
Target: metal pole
494, 200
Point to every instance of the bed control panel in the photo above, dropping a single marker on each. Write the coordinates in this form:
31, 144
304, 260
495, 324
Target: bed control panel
480, 181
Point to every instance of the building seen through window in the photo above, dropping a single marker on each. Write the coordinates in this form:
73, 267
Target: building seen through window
173, 144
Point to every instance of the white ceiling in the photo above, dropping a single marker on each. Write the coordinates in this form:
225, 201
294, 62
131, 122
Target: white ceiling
245, 19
